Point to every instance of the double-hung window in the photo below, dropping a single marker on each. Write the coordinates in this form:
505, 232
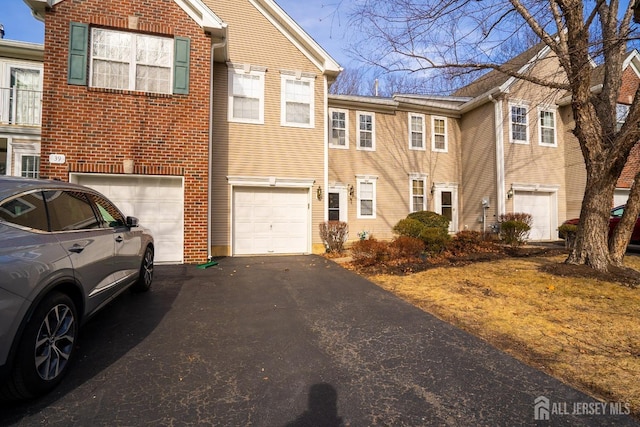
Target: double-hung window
519, 127
366, 131
297, 101
246, 94
547, 129
416, 132
417, 192
439, 134
622, 111
131, 61
366, 197
339, 131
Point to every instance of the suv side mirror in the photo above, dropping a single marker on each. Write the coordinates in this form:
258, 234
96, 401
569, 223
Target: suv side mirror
132, 221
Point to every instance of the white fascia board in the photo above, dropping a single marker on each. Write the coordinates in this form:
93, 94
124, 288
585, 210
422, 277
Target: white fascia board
202, 15
633, 60
296, 35
270, 181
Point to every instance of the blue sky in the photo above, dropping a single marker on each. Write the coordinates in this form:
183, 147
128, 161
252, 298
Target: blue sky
320, 18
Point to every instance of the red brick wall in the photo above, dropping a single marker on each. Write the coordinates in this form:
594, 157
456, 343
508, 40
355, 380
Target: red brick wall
630, 82
97, 129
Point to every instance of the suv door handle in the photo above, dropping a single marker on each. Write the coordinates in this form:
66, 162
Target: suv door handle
76, 248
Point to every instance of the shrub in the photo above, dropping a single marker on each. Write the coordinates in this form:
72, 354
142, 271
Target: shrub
435, 239
334, 234
513, 232
406, 247
409, 227
467, 241
369, 252
515, 227
430, 219
568, 233
516, 216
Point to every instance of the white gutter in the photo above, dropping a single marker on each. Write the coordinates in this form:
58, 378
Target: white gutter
326, 152
499, 130
214, 46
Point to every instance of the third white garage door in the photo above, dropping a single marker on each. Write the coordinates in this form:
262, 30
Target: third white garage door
540, 206
270, 221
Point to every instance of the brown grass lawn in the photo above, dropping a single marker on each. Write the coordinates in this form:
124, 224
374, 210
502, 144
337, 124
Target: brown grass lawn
583, 330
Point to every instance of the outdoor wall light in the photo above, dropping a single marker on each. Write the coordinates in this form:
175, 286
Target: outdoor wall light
510, 193
433, 188
319, 193
351, 192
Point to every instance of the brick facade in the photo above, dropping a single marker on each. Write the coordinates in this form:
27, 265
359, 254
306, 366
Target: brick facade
630, 82
96, 129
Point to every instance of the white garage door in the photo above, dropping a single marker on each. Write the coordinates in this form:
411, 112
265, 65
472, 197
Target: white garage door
539, 205
270, 221
157, 201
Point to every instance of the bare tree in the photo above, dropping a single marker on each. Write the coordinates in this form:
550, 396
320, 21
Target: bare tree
409, 35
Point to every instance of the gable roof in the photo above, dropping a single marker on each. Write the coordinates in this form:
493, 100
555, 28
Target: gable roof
495, 78
292, 31
196, 9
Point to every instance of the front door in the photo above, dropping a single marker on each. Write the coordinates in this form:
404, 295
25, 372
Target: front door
446, 202
337, 203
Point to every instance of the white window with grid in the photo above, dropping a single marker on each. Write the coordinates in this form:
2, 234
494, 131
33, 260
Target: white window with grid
130, 61
547, 128
416, 132
246, 94
366, 197
417, 192
297, 101
339, 131
439, 134
519, 133
366, 131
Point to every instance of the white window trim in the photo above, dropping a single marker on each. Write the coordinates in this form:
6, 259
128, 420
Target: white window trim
526, 107
132, 60
284, 77
433, 135
555, 127
366, 179
346, 128
373, 130
417, 177
423, 146
251, 70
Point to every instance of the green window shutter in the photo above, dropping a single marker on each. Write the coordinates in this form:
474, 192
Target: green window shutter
78, 46
181, 49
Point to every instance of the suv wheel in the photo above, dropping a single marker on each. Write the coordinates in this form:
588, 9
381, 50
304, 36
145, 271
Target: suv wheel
46, 347
146, 272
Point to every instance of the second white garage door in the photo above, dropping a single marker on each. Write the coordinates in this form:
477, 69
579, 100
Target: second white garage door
270, 221
540, 206
157, 201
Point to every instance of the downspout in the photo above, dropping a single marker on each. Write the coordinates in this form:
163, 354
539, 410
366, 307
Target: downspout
214, 46
326, 152
499, 130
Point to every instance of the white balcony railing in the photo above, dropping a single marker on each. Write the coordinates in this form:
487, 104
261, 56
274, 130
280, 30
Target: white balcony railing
20, 107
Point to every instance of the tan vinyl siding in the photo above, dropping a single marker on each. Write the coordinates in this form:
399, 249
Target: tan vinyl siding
269, 149
533, 163
479, 167
576, 174
392, 163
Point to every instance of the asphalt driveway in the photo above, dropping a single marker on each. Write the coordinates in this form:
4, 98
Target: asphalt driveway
291, 341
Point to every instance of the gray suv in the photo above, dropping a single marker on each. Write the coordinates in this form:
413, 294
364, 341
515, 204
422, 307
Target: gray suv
65, 252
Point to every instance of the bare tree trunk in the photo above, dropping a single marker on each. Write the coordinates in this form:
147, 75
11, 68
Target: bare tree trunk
591, 247
619, 240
